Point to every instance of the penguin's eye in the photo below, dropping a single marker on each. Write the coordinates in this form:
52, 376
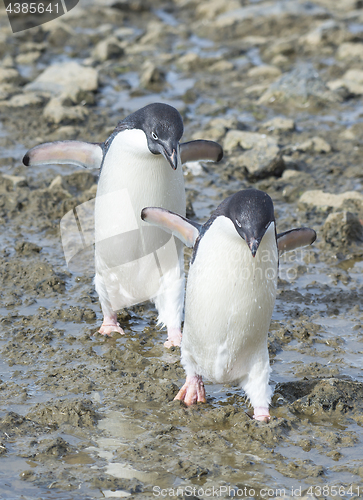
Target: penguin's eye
154, 136
238, 223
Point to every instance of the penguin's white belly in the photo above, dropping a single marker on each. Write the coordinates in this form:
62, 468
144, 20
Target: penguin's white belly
229, 302
125, 245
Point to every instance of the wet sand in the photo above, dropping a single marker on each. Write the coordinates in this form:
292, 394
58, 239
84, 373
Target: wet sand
279, 85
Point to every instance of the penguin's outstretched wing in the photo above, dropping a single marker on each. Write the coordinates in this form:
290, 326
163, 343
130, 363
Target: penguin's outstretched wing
184, 229
82, 154
295, 238
200, 150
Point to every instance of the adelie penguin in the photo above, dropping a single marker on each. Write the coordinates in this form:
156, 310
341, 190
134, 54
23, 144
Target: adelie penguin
141, 165
230, 294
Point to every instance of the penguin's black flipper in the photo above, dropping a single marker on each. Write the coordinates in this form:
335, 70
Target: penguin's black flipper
295, 238
184, 229
200, 150
82, 154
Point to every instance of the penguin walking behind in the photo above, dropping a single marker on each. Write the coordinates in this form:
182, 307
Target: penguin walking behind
140, 165
230, 295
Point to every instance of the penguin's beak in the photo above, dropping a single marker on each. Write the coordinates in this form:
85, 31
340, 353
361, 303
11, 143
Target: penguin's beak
171, 156
253, 244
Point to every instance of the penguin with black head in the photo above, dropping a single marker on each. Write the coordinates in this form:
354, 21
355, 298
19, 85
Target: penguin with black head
230, 294
140, 165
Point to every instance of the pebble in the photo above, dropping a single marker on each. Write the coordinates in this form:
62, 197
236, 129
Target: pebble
316, 144
317, 35
63, 133
152, 76
10, 75
349, 51
279, 124
189, 61
56, 183
6, 89
221, 67
270, 9
352, 80
108, 49
211, 9
256, 90
355, 132
281, 47
55, 112
17, 180
28, 58
247, 140
264, 71
60, 34
290, 173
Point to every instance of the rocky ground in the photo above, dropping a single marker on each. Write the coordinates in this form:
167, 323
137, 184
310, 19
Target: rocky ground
279, 84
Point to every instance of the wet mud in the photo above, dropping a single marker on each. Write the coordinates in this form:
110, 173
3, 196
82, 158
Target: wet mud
279, 84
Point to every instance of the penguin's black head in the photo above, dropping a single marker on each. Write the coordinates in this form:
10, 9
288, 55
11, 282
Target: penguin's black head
251, 212
163, 127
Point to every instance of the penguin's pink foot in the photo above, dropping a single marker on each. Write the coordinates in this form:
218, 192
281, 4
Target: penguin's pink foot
192, 391
174, 338
109, 325
261, 414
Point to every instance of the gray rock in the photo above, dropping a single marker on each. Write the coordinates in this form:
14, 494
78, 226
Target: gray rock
325, 201
342, 228
23, 100
262, 156
300, 87
64, 78
55, 112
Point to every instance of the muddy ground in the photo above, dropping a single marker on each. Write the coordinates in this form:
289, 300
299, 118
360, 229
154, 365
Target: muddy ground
279, 84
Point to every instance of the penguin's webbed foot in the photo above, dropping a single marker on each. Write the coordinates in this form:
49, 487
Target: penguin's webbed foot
192, 391
261, 414
109, 325
174, 338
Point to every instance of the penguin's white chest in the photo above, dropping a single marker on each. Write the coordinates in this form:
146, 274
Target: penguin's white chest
229, 302
133, 178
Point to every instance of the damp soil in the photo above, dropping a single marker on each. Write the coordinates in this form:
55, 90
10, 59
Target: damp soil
83, 416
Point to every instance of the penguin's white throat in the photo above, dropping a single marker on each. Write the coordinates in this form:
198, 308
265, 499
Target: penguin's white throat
131, 141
